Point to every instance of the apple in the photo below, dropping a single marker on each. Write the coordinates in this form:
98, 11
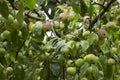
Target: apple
84, 78
91, 58
71, 70
47, 25
16, 24
9, 70
111, 61
112, 26
10, 18
6, 34
62, 16
2, 50
79, 62
85, 33
70, 63
89, 70
64, 49
56, 24
101, 32
71, 16
113, 50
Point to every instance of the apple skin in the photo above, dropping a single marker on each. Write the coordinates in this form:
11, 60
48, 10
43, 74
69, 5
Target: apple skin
84, 78
91, 58
9, 70
47, 25
85, 33
2, 51
113, 50
70, 63
79, 62
111, 61
71, 70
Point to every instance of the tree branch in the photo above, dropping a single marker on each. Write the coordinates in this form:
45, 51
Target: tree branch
104, 10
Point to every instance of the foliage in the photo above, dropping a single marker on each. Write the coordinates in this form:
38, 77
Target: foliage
59, 40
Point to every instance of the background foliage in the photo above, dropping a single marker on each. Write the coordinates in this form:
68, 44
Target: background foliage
59, 40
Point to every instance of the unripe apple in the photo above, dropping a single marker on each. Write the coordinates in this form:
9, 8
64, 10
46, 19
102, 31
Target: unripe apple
6, 34
71, 16
1, 37
71, 70
56, 24
70, 63
111, 61
47, 25
112, 26
16, 24
85, 33
10, 18
2, 50
79, 62
9, 70
62, 25
84, 78
113, 50
64, 49
91, 58
89, 70
62, 16
101, 32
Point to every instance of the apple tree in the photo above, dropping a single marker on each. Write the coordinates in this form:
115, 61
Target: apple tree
59, 40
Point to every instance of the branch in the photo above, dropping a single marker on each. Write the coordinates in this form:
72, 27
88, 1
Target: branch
95, 3
104, 10
46, 11
13, 4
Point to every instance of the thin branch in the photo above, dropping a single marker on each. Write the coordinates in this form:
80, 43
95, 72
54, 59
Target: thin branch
95, 3
103, 11
12, 3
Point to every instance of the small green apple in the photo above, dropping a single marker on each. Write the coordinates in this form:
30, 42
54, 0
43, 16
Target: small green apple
9, 70
2, 50
113, 50
71, 70
111, 61
85, 33
70, 63
84, 78
79, 62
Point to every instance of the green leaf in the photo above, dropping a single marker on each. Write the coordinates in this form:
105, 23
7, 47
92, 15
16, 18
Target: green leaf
19, 15
83, 69
84, 44
30, 3
95, 71
4, 9
55, 68
83, 8
93, 37
105, 48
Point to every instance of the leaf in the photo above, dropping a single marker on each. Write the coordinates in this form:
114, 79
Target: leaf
84, 44
83, 8
30, 3
60, 44
55, 68
93, 37
83, 69
4, 9
19, 15
95, 71
105, 48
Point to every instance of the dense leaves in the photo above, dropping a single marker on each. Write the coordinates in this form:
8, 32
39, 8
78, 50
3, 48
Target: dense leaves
59, 40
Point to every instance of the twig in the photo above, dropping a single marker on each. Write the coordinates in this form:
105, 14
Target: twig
95, 3
104, 10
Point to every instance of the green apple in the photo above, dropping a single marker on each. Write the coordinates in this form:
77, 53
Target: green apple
111, 61
10, 18
91, 58
2, 50
79, 62
89, 70
16, 24
84, 78
71, 70
6, 34
85, 33
9, 70
64, 49
70, 63
113, 50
